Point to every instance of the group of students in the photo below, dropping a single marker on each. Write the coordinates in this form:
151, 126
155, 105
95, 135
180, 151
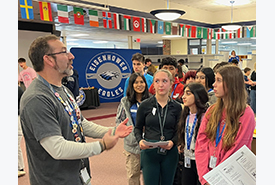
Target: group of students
206, 119
212, 121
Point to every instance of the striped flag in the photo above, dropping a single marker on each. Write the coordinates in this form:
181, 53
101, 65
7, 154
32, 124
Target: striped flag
26, 9
187, 31
181, 30
107, 19
152, 26
117, 21
143, 23
93, 17
127, 21
45, 11
62, 12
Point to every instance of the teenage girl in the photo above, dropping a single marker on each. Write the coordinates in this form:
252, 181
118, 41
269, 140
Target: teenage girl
227, 125
137, 91
157, 117
194, 100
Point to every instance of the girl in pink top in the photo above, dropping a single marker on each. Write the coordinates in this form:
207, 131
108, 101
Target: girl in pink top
227, 125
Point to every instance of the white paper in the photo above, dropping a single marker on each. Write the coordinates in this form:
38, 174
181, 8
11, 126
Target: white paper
238, 169
156, 144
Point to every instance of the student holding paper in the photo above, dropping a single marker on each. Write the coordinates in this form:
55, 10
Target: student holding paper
227, 125
194, 98
158, 115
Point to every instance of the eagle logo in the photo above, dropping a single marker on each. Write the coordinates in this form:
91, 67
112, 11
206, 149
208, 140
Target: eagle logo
109, 75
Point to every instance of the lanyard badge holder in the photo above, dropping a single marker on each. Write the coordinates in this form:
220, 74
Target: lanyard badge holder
84, 175
162, 151
213, 158
187, 160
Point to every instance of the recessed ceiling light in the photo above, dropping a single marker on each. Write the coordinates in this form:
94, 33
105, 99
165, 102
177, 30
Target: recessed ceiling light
79, 35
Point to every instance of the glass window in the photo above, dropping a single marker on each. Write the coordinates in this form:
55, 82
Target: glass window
194, 42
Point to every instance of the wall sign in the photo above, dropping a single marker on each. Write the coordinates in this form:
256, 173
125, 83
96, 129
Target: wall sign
104, 69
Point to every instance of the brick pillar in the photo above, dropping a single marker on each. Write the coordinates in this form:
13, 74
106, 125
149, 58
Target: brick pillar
166, 47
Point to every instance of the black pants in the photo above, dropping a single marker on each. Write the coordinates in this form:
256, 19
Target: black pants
190, 175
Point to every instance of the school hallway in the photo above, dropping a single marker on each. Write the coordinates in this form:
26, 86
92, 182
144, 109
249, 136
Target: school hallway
106, 168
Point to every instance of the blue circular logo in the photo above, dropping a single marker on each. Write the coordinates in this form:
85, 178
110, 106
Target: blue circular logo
107, 71
80, 99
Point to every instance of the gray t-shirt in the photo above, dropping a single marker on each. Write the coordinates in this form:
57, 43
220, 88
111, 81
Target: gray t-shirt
42, 115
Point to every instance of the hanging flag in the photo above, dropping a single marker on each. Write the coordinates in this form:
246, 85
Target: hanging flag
78, 16
168, 28
214, 35
45, 11
62, 13
174, 28
93, 18
136, 24
152, 24
181, 30
217, 33
250, 31
160, 27
225, 34
127, 21
117, 21
26, 9
144, 26
107, 19
204, 33
209, 33
199, 32
187, 30
193, 31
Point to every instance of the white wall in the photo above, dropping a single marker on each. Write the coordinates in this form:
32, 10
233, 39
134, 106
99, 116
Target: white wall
25, 38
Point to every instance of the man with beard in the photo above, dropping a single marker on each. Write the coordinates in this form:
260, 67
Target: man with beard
53, 126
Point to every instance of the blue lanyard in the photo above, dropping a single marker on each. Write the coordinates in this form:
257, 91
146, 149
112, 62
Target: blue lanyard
218, 134
71, 109
189, 137
173, 90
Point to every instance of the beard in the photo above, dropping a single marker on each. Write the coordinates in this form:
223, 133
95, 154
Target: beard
67, 71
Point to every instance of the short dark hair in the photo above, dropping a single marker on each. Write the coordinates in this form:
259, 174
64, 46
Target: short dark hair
147, 60
131, 94
235, 61
181, 61
38, 49
139, 57
246, 69
169, 61
20, 60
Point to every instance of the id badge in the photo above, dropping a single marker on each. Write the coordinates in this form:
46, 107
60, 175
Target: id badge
85, 177
162, 151
212, 162
187, 162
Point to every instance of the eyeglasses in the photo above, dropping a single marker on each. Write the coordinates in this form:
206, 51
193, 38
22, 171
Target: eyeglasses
58, 53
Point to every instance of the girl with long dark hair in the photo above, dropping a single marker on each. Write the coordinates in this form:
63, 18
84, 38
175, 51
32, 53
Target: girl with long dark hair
137, 91
194, 100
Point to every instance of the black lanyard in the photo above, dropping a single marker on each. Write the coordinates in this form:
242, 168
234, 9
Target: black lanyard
162, 138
